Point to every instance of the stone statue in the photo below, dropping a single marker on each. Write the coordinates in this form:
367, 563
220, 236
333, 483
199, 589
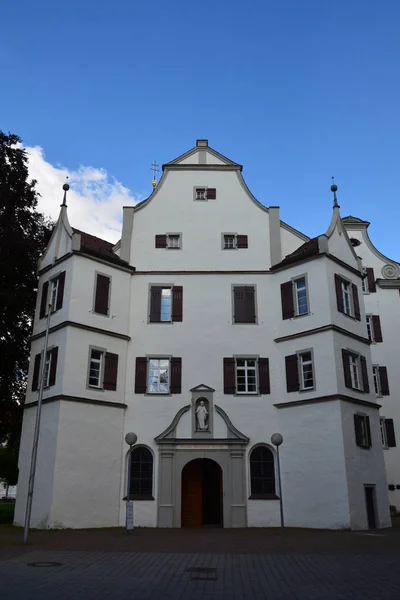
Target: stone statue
201, 416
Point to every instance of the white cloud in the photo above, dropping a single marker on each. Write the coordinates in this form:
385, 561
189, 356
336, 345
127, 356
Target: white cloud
95, 199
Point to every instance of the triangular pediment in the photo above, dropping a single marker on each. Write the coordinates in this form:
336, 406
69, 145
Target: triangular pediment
202, 388
202, 154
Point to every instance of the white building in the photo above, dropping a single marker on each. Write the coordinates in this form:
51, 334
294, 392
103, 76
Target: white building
208, 327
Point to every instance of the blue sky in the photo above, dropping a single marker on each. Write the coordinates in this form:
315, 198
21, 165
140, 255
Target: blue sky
296, 91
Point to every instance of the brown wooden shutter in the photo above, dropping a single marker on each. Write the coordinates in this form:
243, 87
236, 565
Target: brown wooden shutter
102, 293
36, 373
229, 376
339, 297
384, 381
211, 194
239, 305
43, 300
358, 429
346, 368
60, 290
356, 302
369, 442
110, 371
250, 304
177, 303
242, 241
371, 279
292, 373
161, 241
176, 375
364, 374
141, 375
390, 435
53, 365
155, 304
287, 300
376, 323
263, 376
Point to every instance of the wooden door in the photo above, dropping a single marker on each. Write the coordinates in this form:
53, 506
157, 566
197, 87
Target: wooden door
192, 488
370, 502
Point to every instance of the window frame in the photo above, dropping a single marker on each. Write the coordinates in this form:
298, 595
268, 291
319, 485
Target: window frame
367, 439
47, 361
140, 495
376, 378
300, 363
200, 187
102, 351
354, 359
267, 495
54, 285
257, 383
294, 281
364, 281
158, 357
226, 234
346, 291
174, 234
370, 328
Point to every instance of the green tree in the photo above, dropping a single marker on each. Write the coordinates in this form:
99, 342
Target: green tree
24, 234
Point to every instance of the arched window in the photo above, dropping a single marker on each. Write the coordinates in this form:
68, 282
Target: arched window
262, 472
141, 474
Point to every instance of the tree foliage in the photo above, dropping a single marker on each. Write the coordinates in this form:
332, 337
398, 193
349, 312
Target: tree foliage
24, 234
8, 466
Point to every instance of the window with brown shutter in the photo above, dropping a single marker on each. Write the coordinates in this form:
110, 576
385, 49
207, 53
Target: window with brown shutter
110, 371
356, 302
101, 302
376, 323
384, 381
53, 365
287, 300
263, 376
339, 295
241, 241
60, 290
229, 376
371, 279
346, 368
161, 240
36, 373
43, 300
244, 304
211, 194
362, 431
292, 373
390, 434
177, 303
176, 375
364, 374
141, 375
155, 304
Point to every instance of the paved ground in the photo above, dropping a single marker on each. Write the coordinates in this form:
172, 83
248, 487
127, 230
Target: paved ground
240, 565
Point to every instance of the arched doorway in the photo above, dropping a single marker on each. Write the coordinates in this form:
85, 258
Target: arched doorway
202, 494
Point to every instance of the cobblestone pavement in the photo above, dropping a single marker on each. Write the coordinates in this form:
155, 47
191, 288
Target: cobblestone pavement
174, 576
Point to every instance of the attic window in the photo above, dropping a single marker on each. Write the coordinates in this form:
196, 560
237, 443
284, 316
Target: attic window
355, 242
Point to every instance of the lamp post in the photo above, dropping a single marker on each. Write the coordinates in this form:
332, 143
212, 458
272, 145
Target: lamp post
32, 472
277, 440
130, 439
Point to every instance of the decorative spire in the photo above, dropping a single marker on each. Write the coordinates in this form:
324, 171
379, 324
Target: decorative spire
65, 188
334, 190
155, 169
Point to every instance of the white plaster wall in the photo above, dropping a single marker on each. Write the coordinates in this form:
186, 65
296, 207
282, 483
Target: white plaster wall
82, 294
386, 304
289, 242
364, 466
313, 467
76, 364
340, 248
88, 467
58, 338
173, 210
42, 503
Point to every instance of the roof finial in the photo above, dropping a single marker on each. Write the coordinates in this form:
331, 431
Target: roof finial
155, 169
334, 190
65, 188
